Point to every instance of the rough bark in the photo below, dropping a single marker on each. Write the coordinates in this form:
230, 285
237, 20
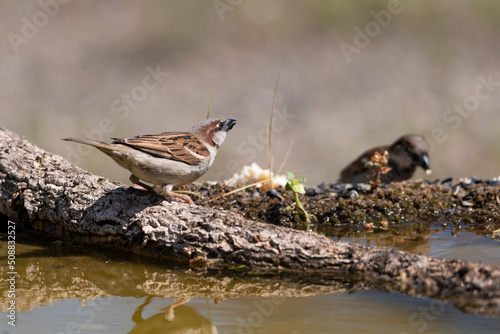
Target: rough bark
44, 193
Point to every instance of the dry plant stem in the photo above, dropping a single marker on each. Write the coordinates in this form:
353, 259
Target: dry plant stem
269, 133
45, 194
210, 103
287, 155
241, 189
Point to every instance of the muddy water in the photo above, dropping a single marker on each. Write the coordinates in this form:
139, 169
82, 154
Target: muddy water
64, 288
440, 243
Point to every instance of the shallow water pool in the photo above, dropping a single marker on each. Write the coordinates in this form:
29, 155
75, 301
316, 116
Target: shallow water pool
71, 289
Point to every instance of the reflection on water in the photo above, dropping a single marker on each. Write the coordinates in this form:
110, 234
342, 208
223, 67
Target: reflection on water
366, 311
465, 245
411, 237
439, 243
175, 318
67, 289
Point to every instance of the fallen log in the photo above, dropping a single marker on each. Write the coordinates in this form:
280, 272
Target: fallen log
43, 193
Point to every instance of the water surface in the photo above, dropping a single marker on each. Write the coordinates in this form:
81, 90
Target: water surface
65, 288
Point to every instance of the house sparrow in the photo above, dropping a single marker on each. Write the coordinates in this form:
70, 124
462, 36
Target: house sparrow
167, 159
405, 154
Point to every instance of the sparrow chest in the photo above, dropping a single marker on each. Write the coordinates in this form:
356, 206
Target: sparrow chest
161, 171
402, 168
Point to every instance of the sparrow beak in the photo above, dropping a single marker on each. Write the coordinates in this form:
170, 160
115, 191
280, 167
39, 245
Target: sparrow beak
230, 123
424, 163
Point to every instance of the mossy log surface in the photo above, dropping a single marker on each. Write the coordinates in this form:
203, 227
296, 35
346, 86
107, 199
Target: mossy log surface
43, 193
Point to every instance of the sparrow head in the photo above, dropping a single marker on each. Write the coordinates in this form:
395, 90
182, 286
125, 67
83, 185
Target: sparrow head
413, 149
214, 130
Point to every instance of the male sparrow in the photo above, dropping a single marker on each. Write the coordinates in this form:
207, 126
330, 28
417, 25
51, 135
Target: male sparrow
167, 159
405, 154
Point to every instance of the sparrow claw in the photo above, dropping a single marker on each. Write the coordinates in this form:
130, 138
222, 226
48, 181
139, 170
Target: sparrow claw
135, 180
167, 190
184, 198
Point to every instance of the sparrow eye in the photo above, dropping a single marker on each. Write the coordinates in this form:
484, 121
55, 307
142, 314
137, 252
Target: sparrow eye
221, 124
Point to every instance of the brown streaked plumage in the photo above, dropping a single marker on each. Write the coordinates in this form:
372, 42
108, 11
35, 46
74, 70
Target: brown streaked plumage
169, 145
167, 159
405, 155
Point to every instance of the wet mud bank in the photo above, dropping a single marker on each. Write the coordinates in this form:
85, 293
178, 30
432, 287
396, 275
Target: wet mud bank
348, 210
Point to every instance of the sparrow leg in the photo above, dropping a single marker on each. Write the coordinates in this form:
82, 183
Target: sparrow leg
167, 190
169, 311
135, 180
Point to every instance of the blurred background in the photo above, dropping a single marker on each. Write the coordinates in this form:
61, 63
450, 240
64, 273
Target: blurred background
352, 75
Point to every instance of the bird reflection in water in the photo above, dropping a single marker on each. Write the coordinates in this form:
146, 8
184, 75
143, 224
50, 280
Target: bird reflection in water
176, 319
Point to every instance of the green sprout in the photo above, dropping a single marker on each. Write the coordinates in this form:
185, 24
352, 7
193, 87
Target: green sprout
296, 186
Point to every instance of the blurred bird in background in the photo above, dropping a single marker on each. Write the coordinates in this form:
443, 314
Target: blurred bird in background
404, 156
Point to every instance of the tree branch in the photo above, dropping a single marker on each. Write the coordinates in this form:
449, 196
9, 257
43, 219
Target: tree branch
44, 193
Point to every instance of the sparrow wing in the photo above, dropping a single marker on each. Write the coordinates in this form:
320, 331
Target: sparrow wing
180, 146
357, 171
